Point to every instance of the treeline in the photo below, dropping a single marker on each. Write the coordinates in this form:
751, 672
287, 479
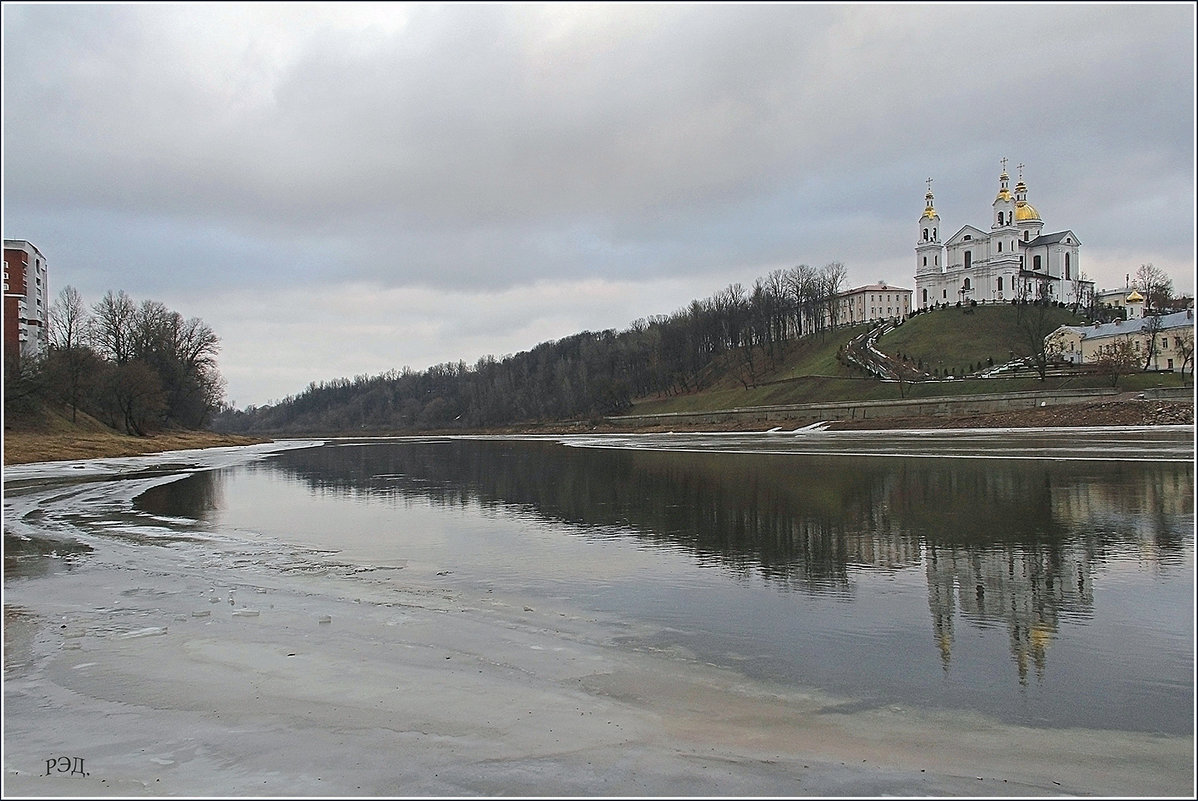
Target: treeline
137, 367
743, 330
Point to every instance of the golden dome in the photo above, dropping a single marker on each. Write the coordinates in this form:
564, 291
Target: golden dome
1026, 211
929, 211
1004, 194
1040, 635
1134, 297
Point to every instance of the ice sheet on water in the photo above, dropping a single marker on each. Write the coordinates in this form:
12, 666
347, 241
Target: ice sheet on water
197, 459
58, 500
1101, 443
149, 631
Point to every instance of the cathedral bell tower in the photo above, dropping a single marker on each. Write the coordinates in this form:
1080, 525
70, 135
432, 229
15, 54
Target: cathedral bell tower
1003, 249
1004, 206
929, 252
1026, 216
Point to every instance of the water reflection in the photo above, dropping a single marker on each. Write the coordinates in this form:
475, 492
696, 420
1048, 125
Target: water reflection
1026, 588
1011, 544
29, 557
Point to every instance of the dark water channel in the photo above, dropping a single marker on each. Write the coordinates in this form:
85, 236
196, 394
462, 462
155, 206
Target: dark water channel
1049, 592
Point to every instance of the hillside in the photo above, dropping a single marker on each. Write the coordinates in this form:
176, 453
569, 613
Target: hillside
953, 340
961, 341
810, 369
710, 356
38, 432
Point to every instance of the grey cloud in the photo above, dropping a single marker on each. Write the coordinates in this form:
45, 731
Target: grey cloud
491, 146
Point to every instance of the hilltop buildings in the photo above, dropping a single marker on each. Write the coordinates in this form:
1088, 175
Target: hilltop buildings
1159, 343
873, 302
26, 299
1013, 260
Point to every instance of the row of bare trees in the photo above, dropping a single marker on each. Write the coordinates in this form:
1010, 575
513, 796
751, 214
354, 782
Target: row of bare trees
138, 367
738, 329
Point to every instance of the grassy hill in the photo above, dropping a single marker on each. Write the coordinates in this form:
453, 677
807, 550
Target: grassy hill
959, 340
949, 340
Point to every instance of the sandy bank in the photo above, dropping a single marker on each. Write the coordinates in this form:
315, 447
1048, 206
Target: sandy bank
180, 662
27, 447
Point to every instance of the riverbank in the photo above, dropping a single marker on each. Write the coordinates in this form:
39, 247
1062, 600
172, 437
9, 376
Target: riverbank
1130, 411
1126, 410
26, 447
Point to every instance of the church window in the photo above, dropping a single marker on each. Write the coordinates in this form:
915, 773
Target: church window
944, 293
1000, 218
1035, 262
1008, 218
1000, 283
1000, 246
967, 287
933, 233
925, 261
1025, 236
925, 297
925, 235
968, 237
1066, 266
968, 259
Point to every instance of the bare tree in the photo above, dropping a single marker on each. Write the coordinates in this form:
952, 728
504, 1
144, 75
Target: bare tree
833, 276
70, 363
113, 330
1155, 285
133, 397
803, 286
69, 321
1036, 321
1185, 349
1083, 294
1152, 327
1116, 359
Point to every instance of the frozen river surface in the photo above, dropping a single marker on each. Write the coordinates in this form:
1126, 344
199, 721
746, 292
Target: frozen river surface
1036, 580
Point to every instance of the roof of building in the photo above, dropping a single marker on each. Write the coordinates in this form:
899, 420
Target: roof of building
1048, 239
879, 287
1182, 319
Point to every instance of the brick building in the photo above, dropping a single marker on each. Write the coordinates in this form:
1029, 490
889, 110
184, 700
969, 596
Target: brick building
26, 299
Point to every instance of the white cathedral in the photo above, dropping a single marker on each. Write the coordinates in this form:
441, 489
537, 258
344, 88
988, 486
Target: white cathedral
1014, 260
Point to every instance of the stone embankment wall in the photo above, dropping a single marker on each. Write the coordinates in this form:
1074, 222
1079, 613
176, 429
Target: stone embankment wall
807, 413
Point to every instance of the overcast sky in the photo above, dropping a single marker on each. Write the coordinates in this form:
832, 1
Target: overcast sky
343, 189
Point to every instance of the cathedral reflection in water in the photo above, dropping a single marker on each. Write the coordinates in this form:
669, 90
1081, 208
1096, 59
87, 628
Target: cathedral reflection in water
1012, 543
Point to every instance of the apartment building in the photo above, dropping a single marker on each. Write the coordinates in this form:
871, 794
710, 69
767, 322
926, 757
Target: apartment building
26, 299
